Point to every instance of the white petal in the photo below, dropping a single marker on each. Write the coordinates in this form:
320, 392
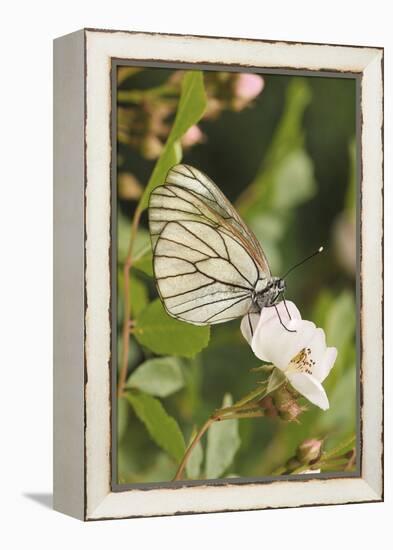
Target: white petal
274, 343
268, 313
310, 388
327, 363
317, 345
248, 325
249, 322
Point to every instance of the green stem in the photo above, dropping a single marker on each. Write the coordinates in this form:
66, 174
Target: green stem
190, 448
127, 304
252, 413
337, 450
233, 409
320, 464
257, 393
136, 96
279, 471
220, 415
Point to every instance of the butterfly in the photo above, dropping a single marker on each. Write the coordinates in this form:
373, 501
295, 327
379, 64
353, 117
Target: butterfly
208, 265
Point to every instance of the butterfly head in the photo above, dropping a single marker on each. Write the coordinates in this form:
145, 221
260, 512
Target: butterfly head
275, 286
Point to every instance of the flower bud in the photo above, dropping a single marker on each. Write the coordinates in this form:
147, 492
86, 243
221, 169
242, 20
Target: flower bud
248, 86
309, 451
292, 412
287, 407
129, 188
151, 147
193, 136
268, 406
214, 108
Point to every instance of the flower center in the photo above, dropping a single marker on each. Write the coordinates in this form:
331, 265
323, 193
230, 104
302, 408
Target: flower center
302, 362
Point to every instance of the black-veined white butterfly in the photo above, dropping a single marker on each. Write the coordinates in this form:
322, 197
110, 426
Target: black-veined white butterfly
208, 265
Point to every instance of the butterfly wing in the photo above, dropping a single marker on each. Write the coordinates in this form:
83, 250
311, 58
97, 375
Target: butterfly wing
206, 261
190, 179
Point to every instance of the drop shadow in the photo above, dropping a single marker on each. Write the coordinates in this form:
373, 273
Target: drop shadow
45, 499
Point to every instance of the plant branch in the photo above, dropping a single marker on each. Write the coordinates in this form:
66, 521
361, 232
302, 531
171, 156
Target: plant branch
227, 413
191, 447
127, 304
320, 464
139, 96
258, 393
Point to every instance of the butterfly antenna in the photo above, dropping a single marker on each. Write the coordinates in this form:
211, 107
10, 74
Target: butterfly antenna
320, 249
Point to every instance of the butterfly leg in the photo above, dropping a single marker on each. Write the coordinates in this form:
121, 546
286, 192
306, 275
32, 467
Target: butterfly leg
282, 324
286, 307
250, 325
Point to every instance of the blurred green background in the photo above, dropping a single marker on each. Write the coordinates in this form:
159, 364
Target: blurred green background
286, 159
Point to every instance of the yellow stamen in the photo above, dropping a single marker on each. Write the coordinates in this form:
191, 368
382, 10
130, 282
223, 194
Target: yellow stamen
302, 362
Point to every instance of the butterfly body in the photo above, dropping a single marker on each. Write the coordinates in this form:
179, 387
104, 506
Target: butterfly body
208, 265
270, 294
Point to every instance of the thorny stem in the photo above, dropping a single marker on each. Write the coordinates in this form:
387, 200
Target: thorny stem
228, 413
127, 304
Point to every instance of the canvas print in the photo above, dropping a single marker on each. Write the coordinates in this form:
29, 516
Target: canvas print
235, 322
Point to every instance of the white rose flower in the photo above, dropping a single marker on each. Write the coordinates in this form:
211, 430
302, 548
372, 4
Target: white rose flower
298, 349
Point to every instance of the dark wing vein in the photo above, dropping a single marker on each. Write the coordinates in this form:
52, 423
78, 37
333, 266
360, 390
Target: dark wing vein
206, 251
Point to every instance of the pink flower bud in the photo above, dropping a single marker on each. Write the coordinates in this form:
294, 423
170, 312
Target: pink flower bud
287, 407
248, 86
192, 136
309, 451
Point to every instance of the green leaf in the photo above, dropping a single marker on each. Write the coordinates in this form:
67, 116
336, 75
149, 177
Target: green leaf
122, 417
223, 441
144, 263
141, 246
123, 236
253, 395
194, 463
350, 199
294, 181
341, 390
160, 376
162, 428
171, 155
341, 321
163, 335
139, 297
192, 104
322, 307
286, 153
340, 449
276, 379
289, 134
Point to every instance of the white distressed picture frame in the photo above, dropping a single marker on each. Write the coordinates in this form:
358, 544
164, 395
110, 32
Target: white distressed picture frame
82, 249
